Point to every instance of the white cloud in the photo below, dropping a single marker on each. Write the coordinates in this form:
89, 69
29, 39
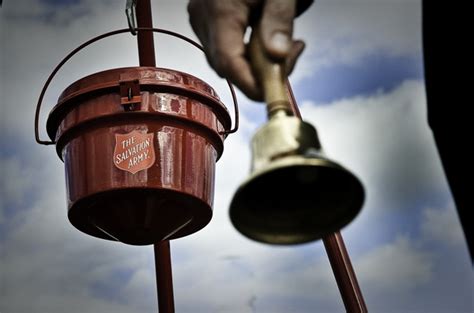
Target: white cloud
396, 266
46, 260
384, 139
36, 47
55, 267
442, 226
20, 180
343, 32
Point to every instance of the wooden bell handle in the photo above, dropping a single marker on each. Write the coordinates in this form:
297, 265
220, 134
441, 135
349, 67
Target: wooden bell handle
271, 75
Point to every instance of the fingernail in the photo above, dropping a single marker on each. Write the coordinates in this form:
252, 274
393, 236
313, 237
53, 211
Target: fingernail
281, 42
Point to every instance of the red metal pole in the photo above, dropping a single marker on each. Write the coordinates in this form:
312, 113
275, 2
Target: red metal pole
344, 273
146, 47
146, 54
337, 254
164, 277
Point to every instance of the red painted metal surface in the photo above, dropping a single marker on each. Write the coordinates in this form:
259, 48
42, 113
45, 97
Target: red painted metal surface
162, 250
164, 277
344, 273
169, 199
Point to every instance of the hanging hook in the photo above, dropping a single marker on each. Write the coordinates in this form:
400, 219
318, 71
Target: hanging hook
131, 13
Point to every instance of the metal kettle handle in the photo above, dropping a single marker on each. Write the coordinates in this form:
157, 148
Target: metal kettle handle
112, 33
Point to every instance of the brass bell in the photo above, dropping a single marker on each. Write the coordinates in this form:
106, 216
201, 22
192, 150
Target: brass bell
294, 194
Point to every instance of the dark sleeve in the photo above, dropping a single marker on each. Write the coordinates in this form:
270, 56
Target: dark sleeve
302, 5
447, 51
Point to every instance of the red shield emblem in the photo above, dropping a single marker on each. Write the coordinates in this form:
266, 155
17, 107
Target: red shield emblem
134, 151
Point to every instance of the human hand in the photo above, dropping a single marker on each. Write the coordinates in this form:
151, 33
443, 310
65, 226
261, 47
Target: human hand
221, 24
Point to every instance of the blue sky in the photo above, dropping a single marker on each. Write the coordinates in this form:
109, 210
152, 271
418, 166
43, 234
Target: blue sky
359, 81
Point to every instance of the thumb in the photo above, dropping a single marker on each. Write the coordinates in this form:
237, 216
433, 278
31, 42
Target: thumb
276, 27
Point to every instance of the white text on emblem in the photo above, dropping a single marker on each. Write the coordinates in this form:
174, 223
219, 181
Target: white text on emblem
134, 151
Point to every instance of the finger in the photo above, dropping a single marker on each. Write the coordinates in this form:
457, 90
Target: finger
295, 51
199, 24
276, 27
220, 26
226, 51
239, 72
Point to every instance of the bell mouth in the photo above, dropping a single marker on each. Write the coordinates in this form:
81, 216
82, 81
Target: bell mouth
296, 200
